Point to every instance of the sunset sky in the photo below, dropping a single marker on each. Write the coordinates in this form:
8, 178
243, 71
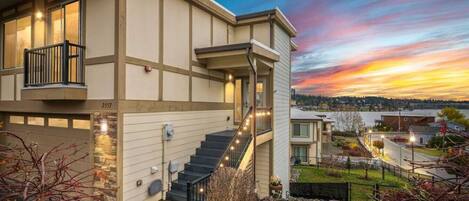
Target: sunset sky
398, 49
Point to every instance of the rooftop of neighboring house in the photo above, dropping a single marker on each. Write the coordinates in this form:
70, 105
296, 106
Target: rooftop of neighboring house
407, 115
424, 130
297, 114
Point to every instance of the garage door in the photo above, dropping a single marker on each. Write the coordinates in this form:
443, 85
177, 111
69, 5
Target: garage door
48, 131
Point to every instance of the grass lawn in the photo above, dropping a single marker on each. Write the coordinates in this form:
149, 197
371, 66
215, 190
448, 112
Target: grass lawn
430, 152
359, 192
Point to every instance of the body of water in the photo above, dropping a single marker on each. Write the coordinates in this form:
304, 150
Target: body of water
370, 117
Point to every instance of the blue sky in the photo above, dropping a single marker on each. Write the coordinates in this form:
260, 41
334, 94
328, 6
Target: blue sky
399, 49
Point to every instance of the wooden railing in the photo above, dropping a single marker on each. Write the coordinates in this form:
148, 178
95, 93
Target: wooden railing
61, 63
234, 153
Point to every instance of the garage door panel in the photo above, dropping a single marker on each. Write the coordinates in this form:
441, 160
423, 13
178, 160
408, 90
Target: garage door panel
49, 137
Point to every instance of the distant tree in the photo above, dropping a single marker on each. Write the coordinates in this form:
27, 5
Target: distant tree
452, 114
348, 120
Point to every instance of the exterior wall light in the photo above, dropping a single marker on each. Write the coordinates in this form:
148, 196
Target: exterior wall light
104, 126
230, 77
39, 15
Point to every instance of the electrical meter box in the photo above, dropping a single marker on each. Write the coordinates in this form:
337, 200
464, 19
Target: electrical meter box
168, 131
173, 167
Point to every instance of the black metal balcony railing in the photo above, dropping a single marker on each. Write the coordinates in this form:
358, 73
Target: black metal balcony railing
61, 63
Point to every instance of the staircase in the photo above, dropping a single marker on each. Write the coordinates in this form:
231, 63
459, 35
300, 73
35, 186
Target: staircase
201, 164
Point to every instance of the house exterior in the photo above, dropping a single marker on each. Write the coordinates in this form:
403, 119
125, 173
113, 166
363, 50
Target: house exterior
306, 136
403, 122
423, 133
141, 86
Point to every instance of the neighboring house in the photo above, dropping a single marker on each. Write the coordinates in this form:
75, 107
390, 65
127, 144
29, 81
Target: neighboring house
327, 125
423, 133
305, 137
141, 83
403, 122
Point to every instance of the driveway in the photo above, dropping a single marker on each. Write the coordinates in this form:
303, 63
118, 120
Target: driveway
400, 155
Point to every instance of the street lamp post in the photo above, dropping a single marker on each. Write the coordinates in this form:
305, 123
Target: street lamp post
412, 140
382, 141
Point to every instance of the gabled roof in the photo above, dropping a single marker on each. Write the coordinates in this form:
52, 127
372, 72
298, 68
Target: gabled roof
297, 114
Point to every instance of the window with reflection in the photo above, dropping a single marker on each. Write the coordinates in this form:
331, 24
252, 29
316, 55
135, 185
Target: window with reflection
16, 37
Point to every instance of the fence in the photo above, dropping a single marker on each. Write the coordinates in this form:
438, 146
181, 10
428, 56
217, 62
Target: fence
336, 191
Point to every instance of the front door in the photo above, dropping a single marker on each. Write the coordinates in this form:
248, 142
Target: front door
242, 101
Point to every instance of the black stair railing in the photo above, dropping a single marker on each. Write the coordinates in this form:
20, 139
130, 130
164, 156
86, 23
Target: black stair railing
61, 63
234, 153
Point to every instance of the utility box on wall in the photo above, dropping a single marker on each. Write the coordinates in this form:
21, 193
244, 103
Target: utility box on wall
168, 131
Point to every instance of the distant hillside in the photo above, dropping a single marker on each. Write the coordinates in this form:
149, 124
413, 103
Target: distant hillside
371, 103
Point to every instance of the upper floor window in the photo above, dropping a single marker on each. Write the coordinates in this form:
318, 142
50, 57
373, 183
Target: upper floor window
300, 130
16, 37
64, 23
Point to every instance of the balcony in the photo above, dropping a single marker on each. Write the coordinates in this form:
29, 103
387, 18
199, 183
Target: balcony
54, 72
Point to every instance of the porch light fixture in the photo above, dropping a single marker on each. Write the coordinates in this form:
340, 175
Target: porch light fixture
39, 15
103, 126
230, 77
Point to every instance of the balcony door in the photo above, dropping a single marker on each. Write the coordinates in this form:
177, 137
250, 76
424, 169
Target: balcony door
64, 24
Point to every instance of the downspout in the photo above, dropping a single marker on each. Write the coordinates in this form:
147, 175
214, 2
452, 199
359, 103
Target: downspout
254, 108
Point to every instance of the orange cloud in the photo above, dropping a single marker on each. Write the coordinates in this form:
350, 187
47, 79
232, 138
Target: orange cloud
437, 75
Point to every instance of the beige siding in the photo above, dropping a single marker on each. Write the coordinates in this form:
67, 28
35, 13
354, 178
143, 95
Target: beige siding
8, 88
200, 29
219, 32
143, 144
242, 34
176, 33
99, 28
140, 85
261, 33
19, 85
143, 29
281, 107
175, 87
263, 168
100, 81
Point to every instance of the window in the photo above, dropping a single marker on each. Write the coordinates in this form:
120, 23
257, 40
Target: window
17, 119
58, 122
300, 130
300, 153
16, 37
36, 121
64, 24
81, 124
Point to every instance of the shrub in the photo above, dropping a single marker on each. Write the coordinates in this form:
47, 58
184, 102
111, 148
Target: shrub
450, 141
378, 144
231, 185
